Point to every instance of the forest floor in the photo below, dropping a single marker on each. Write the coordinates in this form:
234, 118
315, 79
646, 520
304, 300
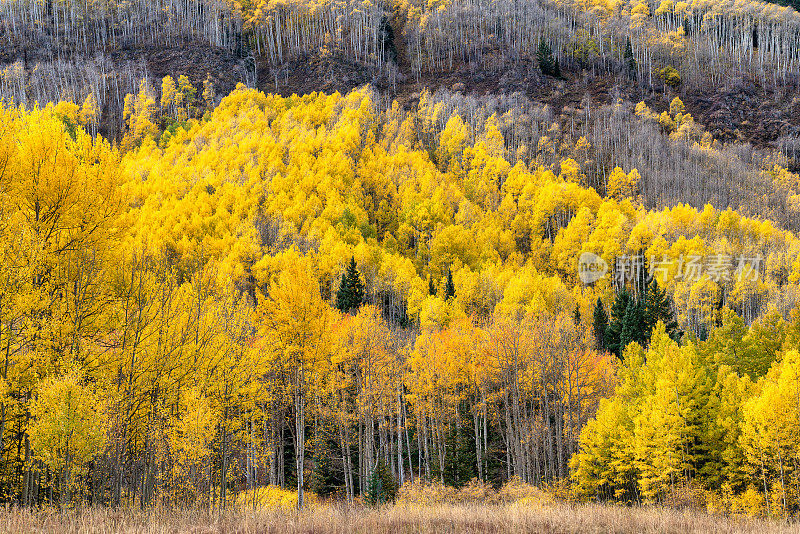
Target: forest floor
469, 519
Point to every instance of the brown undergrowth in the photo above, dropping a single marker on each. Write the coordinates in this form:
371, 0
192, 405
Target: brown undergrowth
552, 518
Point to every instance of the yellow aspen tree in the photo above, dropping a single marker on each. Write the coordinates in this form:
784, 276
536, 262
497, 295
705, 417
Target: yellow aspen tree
293, 320
69, 427
90, 114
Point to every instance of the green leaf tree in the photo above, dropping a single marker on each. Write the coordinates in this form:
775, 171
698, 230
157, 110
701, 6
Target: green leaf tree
631, 325
658, 307
431, 287
547, 63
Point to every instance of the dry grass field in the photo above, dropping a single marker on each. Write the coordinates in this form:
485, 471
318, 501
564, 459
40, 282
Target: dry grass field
550, 519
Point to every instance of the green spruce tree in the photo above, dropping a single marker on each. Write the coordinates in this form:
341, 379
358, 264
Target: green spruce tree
614, 329
449, 288
322, 479
632, 325
600, 325
658, 307
381, 485
350, 295
630, 62
546, 62
431, 287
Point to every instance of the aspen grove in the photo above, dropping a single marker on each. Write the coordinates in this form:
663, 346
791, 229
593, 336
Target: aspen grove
572, 276
169, 332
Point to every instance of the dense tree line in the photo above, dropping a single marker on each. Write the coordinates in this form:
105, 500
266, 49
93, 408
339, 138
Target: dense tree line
713, 421
172, 305
661, 42
793, 3
67, 27
293, 30
676, 159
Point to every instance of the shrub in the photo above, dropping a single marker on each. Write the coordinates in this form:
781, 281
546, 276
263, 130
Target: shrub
272, 498
517, 491
687, 495
421, 493
475, 492
670, 76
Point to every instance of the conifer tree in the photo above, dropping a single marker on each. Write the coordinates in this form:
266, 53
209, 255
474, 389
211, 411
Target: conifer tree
600, 325
431, 287
449, 288
351, 289
386, 38
632, 325
614, 330
628, 58
657, 307
323, 478
343, 296
381, 486
547, 64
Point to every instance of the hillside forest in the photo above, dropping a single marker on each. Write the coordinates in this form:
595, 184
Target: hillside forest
213, 287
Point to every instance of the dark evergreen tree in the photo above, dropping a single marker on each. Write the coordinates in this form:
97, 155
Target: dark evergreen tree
459, 464
431, 287
449, 288
323, 478
404, 322
351, 289
702, 333
600, 325
386, 36
630, 62
546, 61
576, 315
658, 307
632, 326
614, 329
343, 296
381, 485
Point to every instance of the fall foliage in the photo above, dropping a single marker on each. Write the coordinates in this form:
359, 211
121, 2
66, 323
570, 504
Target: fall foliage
170, 332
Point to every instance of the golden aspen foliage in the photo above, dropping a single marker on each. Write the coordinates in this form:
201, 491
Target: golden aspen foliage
90, 114
621, 185
69, 426
769, 433
186, 285
167, 93
191, 442
139, 115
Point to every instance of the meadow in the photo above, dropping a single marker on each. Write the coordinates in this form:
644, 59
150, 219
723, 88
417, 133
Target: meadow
339, 519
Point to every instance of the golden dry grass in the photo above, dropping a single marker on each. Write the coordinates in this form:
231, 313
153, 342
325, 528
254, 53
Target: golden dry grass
550, 519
